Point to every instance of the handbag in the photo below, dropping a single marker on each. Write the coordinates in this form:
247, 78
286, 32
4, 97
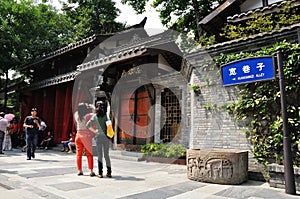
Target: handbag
109, 129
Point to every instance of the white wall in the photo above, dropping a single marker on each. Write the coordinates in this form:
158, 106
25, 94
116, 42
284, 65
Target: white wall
251, 5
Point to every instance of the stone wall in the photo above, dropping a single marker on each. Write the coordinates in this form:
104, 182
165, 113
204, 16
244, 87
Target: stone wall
277, 180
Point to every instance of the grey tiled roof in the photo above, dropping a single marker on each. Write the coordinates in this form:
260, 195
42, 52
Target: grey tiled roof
53, 81
260, 11
260, 35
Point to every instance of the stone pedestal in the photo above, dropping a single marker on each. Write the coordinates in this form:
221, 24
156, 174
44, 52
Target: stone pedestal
225, 166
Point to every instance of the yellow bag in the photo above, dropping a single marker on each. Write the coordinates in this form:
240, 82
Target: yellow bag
109, 129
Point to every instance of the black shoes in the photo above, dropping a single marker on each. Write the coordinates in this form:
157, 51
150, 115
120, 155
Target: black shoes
1, 153
32, 156
108, 175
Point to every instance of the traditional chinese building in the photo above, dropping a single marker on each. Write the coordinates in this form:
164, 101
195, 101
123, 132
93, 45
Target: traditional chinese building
146, 80
138, 74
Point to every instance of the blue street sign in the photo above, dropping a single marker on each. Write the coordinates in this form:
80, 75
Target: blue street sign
248, 70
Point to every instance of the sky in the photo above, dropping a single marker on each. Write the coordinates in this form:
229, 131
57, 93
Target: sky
129, 16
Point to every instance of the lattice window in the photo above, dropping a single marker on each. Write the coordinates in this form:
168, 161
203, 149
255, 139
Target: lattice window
172, 116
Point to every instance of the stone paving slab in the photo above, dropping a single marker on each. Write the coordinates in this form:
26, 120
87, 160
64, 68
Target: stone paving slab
52, 175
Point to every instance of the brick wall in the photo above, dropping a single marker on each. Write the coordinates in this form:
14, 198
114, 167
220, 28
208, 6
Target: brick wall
211, 125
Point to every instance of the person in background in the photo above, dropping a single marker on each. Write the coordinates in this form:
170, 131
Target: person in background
84, 137
3, 126
7, 146
41, 134
102, 141
47, 141
67, 144
32, 124
15, 130
72, 143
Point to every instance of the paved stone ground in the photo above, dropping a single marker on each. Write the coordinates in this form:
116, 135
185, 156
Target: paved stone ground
52, 175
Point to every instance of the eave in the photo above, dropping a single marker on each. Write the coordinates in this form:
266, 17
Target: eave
253, 42
276, 7
213, 22
71, 47
52, 81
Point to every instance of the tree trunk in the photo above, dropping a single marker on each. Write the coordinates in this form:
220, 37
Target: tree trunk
196, 9
5, 91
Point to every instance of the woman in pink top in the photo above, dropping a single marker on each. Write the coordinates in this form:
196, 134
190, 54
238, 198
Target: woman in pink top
83, 138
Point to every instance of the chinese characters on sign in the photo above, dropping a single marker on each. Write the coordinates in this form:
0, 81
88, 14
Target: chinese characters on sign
248, 70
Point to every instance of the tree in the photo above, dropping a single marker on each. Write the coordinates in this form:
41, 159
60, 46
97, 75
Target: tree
28, 31
92, 17
180, 15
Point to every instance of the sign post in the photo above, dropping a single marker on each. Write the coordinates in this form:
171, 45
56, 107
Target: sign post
261, 69
287, 153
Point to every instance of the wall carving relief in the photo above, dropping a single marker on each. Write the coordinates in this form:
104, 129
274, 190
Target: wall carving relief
217, 166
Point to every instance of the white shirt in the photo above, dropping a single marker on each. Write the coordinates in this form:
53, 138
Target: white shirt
43, 126
3, 124
80, 125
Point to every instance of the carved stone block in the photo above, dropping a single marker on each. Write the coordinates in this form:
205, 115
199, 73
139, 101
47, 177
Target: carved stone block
225, 166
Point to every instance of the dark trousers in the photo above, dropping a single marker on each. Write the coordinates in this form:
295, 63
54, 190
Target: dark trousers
14, 140
1, 140
65, 144
102, 143
31, 140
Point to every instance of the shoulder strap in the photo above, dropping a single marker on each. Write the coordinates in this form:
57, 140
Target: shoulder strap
107, 115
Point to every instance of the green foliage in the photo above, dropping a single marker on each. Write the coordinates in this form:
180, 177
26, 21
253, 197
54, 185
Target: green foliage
265, 23
92, 17
195, 88
259, 105
28, 31
164, 150
206, 40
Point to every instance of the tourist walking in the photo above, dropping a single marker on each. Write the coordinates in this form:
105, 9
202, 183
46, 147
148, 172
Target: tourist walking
31, 124
15, 130
98, 120
84, 137
7, 146
3, 126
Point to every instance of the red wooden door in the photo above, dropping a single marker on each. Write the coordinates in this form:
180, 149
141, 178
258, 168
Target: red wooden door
134, 117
